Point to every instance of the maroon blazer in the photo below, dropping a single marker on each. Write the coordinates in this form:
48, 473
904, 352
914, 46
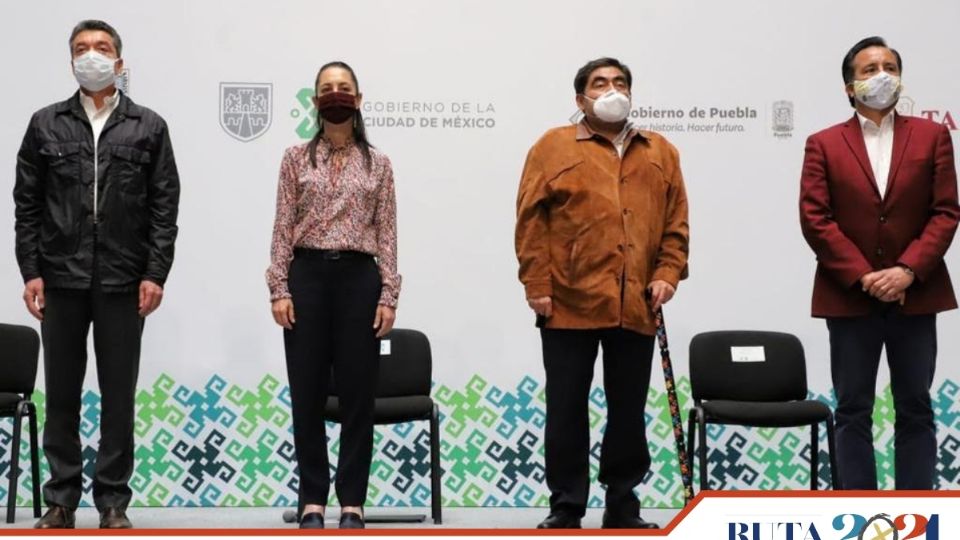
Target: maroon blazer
853, 231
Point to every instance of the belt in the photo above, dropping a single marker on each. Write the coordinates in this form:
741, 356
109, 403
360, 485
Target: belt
328, 254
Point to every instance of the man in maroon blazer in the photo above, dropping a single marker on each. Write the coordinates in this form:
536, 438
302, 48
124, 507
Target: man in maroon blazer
878, 205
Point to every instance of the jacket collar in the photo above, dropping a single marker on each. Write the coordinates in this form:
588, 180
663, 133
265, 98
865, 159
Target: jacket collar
125, 108
853, 135
585, 132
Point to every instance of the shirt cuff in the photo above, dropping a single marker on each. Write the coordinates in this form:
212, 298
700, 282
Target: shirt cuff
279, 294
388, 299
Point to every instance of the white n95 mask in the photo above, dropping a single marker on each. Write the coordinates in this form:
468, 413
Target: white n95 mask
612, 106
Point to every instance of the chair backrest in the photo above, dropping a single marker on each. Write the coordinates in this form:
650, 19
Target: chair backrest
19, 353
743, 365
407, 369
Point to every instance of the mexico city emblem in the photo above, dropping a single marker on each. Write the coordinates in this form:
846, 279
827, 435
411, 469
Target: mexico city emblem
246, 109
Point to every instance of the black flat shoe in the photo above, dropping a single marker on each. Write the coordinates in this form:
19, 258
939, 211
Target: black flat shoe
351, 520
613, 521
313, 520
560, 520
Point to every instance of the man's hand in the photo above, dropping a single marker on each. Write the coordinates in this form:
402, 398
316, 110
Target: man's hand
887, 285
660, 293
33, 297
383, 321
282, 309
542, 306
150, 296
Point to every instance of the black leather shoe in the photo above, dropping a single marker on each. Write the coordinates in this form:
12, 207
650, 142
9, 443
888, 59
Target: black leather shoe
615, 521
57, 517
560, 520
313, 520
351, 520
114, 518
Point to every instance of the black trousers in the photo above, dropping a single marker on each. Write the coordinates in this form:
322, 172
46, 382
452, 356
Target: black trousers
911, 345
117, 328
568, 357
335, 303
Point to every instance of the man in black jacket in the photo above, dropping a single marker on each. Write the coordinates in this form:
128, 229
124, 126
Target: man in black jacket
96, 218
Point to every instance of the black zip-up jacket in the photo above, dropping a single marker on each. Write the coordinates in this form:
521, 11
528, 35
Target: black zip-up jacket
132, 234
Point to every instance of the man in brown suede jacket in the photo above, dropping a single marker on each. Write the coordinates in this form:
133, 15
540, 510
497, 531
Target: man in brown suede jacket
602, 240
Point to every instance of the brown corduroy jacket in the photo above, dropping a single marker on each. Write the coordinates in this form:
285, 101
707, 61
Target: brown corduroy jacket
593, 230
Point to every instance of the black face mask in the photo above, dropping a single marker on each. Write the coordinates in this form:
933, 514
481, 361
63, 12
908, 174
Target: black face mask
336, 107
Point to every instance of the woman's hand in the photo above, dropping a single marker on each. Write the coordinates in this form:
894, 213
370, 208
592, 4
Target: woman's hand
283, 312
383, 322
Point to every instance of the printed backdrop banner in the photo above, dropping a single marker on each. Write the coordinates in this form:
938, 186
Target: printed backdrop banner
456, 93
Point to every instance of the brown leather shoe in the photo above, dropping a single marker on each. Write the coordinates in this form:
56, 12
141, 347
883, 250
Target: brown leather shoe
114, 518
57, 517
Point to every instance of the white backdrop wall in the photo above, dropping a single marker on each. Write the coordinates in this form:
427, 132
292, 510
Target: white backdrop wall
213, 415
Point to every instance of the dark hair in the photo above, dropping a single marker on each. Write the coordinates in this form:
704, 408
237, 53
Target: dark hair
865, 43
583, 74
93, 24
359, 131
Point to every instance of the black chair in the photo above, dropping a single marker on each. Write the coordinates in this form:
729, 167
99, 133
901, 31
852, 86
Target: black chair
756, 379
403, 395
19, 351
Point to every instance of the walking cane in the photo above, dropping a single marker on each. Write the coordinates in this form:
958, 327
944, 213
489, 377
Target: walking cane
685, 474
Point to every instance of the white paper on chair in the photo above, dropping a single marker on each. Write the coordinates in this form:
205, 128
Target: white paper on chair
384, 347
747, 354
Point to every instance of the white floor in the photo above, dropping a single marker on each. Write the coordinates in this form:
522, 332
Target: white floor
271, 518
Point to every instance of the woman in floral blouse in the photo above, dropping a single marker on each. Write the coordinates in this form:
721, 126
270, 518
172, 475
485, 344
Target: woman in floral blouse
334, 286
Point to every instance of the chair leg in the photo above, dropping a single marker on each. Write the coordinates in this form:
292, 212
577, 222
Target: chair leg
14, 473
702, 450
691, 434
34, 458
835, 481
435, 470
814, 456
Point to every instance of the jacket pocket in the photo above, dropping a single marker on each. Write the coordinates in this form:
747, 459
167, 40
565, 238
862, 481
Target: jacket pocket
649, 188
59, 230
62, 160
128, 168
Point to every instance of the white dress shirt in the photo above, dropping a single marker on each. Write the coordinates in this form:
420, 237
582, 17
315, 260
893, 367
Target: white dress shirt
98, 119
620, 142
879, 143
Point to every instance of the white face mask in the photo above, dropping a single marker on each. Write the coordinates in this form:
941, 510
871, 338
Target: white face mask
612, 106
94, 71
878, 92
